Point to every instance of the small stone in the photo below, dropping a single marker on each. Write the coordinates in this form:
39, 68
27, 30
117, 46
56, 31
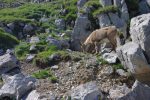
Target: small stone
121, 72
30, 57
55, 67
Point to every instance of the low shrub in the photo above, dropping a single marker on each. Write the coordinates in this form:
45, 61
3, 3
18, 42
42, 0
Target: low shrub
42, 74
93, 3
7, 40
118, 66
106, 9
22, 50
102, 61
42, 58
53, 79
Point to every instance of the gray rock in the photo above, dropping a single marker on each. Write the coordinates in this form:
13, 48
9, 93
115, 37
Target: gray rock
132, 57
16, 86
118, 92
60, 23
111, 58
30, 57
88, 91
105, 47
124, 11
43, 20
33, 95
139, 91
8, 30
121, 72
148, 2
20, 35
80, 32
7, 63
11, 26
32, 47
81, 3
117, 3
143, 7
104, 20
28, 28
119, 23
10, 51
91, 62
64, 44
1, 52
34, 39
53, 41
105, 50
106, 2
55, 67
139, 30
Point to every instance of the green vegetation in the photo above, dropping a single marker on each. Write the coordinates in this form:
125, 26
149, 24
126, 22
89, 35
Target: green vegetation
28, 12
42, 74
9, 1
7, 40
42, 58
106, 9
21, 50
53, 79
93, 3
45, 73
118, 66
102, 61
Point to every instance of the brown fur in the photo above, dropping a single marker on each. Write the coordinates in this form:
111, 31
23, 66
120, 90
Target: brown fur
96, 36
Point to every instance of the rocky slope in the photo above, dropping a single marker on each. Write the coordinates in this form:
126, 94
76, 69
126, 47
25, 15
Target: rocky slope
41, 56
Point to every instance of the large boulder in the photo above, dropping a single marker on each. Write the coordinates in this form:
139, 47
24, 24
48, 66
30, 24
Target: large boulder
143, 7
139, 91
88, 91
104, 20
7, 63
124, 11
139, 31
80, 32
16, 86
148, 2
119, 23
132, 57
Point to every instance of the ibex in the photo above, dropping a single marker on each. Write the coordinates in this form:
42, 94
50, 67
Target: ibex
96, 36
